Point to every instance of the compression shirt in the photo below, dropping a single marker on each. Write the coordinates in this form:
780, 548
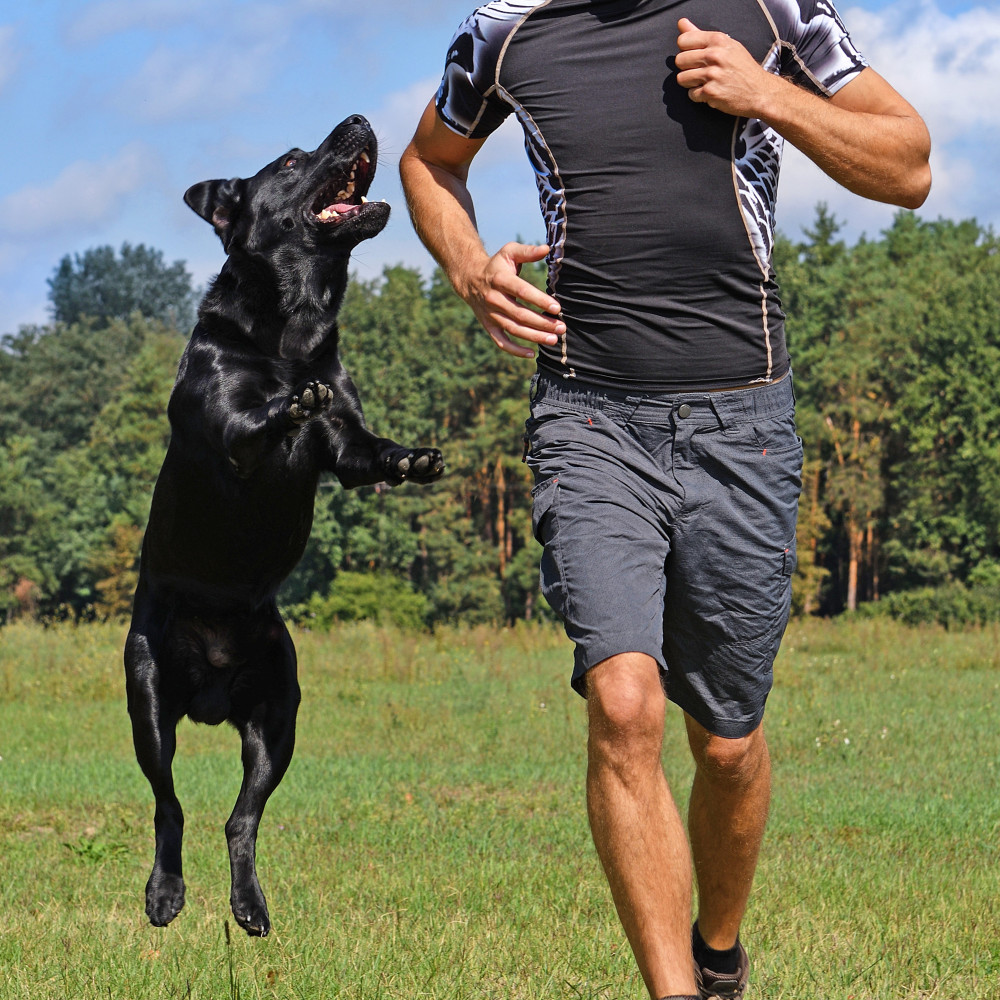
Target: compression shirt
659, 211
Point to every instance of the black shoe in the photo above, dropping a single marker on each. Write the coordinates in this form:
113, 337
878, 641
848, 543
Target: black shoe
716, 986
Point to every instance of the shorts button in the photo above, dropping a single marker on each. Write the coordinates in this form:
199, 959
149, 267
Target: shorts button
684, 411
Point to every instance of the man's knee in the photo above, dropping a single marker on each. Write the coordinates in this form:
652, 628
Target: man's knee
731, 762
626, 705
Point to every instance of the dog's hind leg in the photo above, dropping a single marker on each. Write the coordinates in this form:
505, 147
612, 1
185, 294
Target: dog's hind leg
154, 736
268, 741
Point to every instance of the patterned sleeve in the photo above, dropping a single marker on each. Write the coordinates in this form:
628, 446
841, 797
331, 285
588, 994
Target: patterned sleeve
817, 51
467, 100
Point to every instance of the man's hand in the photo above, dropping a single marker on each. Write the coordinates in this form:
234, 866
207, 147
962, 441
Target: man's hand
718, 71
501, 301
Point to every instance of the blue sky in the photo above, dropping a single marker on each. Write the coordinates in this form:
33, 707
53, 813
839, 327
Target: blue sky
112, 108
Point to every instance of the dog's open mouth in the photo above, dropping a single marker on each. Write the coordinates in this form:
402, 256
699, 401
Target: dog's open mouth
343, 198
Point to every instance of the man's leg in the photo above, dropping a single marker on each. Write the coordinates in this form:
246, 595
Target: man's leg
638, 833
726, 820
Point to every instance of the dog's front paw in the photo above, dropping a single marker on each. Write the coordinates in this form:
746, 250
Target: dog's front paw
309, 399
422, 465
164, 898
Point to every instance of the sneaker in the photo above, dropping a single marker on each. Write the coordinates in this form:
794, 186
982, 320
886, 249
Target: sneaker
716, 986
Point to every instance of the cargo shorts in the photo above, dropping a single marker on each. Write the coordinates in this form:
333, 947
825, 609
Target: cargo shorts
668, 527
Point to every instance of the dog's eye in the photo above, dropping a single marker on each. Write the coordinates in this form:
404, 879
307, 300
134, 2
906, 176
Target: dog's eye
290, 162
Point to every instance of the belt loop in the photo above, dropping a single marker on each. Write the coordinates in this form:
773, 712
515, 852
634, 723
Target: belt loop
713, 402
630, 406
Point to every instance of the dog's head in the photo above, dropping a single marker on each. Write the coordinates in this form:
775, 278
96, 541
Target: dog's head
315, 201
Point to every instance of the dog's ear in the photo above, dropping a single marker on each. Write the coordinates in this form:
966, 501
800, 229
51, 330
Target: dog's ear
216, 202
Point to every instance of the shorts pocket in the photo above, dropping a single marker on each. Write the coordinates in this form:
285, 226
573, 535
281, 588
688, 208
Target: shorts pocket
777, 435
791, 559
543, 497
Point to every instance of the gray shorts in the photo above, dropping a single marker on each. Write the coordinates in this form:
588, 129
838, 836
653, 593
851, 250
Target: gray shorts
668, 526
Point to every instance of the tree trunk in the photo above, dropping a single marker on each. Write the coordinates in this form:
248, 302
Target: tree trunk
873, 561
856, 538
501, 522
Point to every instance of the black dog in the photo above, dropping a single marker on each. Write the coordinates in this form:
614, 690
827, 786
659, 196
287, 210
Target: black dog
261, 407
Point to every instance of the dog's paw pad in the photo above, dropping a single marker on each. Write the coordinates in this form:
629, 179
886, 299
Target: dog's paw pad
310, 399
428, 465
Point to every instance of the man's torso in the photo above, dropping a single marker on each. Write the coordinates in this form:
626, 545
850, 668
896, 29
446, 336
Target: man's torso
659, 210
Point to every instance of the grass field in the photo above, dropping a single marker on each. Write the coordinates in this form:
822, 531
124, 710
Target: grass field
429, 839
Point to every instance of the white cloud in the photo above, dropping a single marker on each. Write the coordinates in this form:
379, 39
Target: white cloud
947, 66
109, 17
83, 194
175, 83
396, 119
9, 56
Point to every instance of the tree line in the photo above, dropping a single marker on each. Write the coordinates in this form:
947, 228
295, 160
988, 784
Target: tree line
896, 350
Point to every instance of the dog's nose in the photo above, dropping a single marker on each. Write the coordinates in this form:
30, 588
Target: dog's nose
358, 120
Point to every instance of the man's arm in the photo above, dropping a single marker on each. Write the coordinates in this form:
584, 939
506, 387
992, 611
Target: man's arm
866, 137
434, 169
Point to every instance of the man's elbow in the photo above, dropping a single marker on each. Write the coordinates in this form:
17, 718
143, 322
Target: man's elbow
917, 187
408, 163
917, 180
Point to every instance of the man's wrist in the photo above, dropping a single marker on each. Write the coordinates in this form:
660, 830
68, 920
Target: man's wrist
775, 101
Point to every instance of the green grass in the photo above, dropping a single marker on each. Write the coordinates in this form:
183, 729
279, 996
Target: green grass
429, 839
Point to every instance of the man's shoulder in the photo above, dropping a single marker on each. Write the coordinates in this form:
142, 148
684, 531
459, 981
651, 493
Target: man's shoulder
479, 40
795, 20
818, 49
467, 100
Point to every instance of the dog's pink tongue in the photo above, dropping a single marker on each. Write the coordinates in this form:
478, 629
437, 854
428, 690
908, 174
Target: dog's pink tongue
340, 208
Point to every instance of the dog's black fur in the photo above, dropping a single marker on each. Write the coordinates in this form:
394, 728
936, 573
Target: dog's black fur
261, 407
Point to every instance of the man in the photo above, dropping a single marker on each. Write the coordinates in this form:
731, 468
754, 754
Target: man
662, 432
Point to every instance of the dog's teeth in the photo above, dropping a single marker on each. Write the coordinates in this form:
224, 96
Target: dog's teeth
364, 200
365, 158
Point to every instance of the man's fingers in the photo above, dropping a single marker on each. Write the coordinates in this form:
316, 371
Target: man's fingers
510, 307
524, 302
500, 338
525, 253
690, 36
507, 319
516, 254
